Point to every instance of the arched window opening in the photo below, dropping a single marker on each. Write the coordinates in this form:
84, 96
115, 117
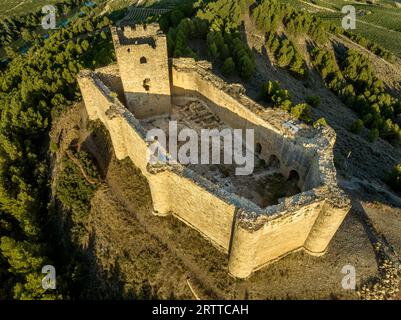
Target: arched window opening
293, 176
143, 60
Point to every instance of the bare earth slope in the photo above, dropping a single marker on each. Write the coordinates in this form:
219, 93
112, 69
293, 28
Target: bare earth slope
358, 161
137, 255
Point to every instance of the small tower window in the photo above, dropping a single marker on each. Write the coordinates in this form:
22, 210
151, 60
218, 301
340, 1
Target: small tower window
143, 60
146, 84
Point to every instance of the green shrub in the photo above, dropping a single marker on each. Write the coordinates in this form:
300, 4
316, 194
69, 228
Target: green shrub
394, 178
53, 147
357, 126
320, 122
302, 111
314, 101
373, 135
228, 67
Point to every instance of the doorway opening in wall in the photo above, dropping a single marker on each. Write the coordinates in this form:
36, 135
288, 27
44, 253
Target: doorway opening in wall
294, 177
143, 60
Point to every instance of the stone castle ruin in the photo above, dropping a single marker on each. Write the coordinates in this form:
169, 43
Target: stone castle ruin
290, 202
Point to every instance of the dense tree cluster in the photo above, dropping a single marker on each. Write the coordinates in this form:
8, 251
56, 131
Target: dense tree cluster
361, 90
272, 93
287, 55
75, 192
326, 64
270, 14
33, 89
301, 22
217, 23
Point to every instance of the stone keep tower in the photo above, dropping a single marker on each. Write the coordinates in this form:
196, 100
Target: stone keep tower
143, 62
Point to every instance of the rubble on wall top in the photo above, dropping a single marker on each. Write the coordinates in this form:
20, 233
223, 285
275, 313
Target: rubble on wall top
278, 119
136, 34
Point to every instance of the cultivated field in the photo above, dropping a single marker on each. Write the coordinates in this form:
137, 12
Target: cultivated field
379, 22
19, 7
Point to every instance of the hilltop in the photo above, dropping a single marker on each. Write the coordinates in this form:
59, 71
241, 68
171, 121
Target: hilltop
59, 168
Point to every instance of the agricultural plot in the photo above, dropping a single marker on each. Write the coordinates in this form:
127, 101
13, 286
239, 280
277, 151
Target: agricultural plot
379, 22
19, 7
136, 14
114, 5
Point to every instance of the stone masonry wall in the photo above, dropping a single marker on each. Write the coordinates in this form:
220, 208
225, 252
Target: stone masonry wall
142, 56
251, 236
293, 154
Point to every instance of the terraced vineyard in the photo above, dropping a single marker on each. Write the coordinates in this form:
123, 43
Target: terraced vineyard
380, 22
135, 14
17, 7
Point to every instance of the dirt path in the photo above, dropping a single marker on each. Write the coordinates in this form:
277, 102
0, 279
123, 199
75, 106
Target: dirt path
15, 7
378, 27
79, 165
318, 7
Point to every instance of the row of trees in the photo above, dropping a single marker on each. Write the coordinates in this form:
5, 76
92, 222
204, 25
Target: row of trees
361, 90
287, 55
272, 93
33, 89
364, 42
270, 14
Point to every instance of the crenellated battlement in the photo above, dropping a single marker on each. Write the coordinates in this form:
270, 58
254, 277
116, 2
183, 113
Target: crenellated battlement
142, 58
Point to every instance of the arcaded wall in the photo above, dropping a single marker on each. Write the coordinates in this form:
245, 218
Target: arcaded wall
188, 84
